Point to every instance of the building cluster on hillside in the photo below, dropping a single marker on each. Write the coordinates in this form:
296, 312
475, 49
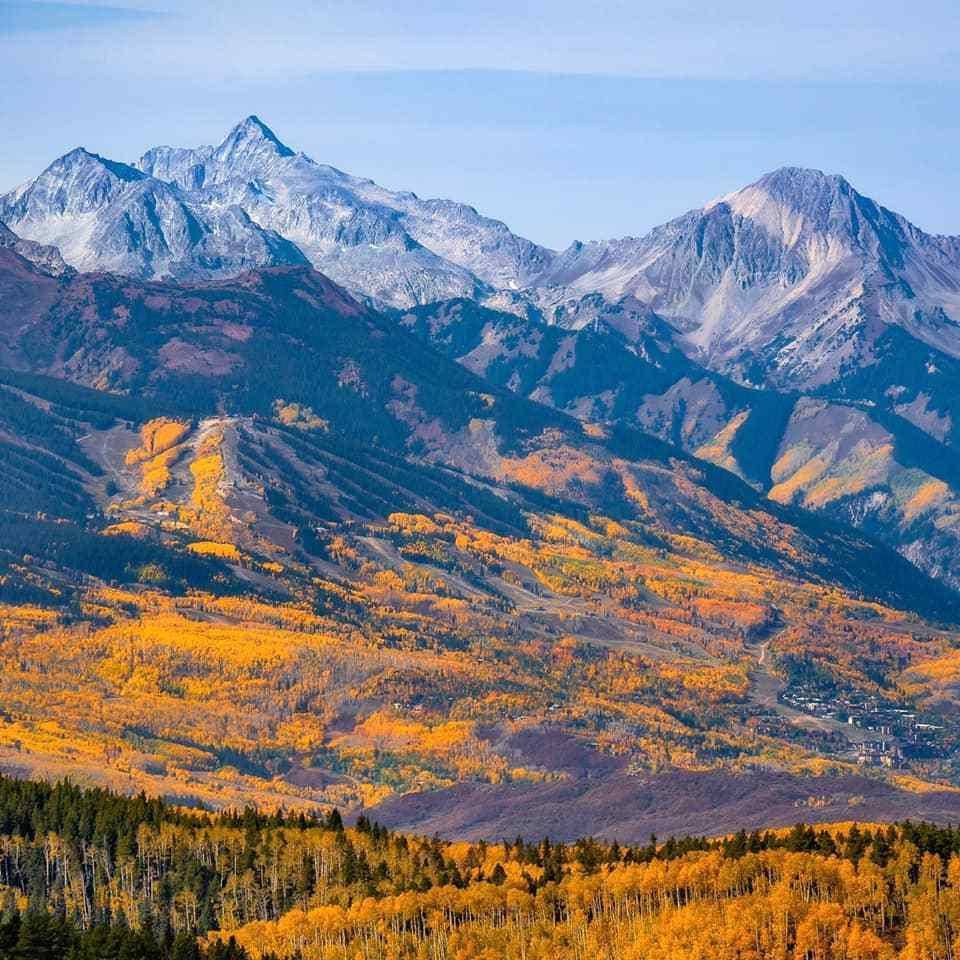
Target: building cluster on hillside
901, 733
879, 753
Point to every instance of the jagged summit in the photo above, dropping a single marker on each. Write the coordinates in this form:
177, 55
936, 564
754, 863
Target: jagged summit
795, 203
81, 157
110, 216
253, 127
793, 179
250, 139
799, 188
74, 184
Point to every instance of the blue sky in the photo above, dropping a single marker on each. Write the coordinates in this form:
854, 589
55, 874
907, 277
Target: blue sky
567, 120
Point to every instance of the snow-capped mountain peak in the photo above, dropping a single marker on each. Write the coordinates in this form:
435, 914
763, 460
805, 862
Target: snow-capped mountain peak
247, 150
798, 254
789, 279
802, 206
389, 246
82, 158
107, 215
253, 130
77, 182
250, 141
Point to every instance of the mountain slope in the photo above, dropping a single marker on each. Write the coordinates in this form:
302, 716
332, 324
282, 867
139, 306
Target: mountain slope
287, 336
796, 283
46, 258
261, 543
864, 464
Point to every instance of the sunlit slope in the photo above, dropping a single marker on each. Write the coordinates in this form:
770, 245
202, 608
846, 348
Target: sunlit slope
262, 544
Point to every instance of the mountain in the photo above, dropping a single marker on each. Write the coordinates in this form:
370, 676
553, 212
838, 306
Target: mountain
866, 464
801, 285
252, 201
287, 337
795, 333
261, 543
797, 285
264, 540
792, 282
105, 215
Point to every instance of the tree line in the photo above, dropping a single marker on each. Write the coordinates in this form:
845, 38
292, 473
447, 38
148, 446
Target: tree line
91, 873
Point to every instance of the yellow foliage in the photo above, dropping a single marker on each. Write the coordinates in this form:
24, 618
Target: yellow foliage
414, 523
799, 477
927, 495
209, 548
718, 451
209, 514
131, 528
156, 436
299, 415
161, 446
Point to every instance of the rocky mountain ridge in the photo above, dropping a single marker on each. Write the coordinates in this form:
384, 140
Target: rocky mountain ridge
252, 201
788, 283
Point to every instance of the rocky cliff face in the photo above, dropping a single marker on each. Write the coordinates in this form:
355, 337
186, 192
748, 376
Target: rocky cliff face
108, 216
46, 258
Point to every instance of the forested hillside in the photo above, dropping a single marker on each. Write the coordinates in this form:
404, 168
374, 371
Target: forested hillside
87, 873
261, 545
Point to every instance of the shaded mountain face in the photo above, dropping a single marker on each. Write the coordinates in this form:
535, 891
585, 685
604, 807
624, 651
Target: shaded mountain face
46, 258
888, 466
252, 201
104, 215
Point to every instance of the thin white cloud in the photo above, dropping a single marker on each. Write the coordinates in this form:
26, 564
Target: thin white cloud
40, 16
246, 41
